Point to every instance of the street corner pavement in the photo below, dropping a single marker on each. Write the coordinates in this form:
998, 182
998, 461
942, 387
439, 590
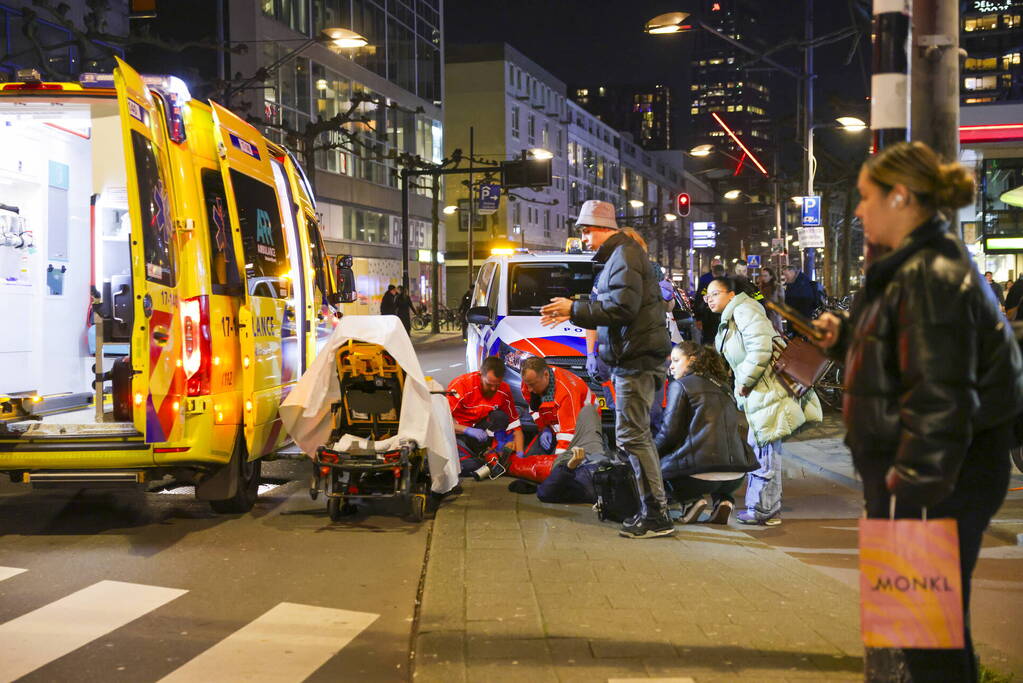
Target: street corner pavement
520, 590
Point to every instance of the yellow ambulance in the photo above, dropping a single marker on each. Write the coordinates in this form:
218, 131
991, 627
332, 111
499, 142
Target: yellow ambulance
163, 285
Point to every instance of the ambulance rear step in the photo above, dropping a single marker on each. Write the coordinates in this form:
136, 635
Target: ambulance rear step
39, 431
86, 479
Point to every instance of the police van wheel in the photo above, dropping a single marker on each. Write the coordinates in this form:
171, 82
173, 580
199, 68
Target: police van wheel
246, 472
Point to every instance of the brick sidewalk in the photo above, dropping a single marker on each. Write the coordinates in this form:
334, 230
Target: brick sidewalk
517, 590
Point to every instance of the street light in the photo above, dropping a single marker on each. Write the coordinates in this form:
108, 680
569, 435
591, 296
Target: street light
541, 153
636, 203
851, 124
701, 150
344, 39
450, 210
732, 195
672, 22
670, 217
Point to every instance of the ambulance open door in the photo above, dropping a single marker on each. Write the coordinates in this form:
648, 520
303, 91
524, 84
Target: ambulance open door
258, 233
158, 380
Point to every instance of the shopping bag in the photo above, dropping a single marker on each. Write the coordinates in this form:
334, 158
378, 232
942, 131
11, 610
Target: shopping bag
910, 587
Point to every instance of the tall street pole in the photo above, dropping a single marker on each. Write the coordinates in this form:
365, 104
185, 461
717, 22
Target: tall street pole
808, 118
889, 84
934, 79
434, 265
472, 201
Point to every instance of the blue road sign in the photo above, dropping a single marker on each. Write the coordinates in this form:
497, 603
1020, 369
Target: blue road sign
812, 211
489, 199
753, 260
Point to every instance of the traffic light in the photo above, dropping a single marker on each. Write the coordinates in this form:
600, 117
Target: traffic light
682, 204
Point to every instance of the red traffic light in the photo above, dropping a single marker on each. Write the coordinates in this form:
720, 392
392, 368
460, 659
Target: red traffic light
682, 204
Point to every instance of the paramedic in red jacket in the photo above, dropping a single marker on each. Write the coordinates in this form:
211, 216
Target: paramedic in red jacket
565, 413
482, 407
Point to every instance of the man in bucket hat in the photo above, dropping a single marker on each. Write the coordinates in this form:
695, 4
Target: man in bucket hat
627, 311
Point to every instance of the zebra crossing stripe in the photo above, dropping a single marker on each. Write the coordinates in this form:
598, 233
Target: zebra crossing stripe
50, 632
8, 572
287, 643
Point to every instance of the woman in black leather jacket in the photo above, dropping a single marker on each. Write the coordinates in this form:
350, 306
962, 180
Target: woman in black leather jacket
700, 445
933, 373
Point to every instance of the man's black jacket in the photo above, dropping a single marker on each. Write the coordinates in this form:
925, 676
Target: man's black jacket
626, 309
930, 364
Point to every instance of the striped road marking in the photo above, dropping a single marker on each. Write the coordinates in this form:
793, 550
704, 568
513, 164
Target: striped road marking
8, 572
37, 638
288, 643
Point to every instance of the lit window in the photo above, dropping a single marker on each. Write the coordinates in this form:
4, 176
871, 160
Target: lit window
694, 110
731, 108
738, 107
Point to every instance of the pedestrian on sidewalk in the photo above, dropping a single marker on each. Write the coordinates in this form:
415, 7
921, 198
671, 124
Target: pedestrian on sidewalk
771, 291
745, 338
403, 308
933, 374
700, 442
481, 407
463, 310
627, 311
800, 291
387, 301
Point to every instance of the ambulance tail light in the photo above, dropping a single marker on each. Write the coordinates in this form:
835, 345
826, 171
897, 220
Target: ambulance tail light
196, 352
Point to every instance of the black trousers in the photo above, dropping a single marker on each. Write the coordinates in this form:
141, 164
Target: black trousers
685, 490
980, 491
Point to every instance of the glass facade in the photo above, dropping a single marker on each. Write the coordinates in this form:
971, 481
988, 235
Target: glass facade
404, 35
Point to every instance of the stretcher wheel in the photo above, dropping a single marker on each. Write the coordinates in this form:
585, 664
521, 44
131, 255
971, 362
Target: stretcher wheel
338, 509
417, 507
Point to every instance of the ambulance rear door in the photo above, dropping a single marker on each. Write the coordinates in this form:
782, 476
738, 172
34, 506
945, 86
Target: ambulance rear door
257, 228
158, 382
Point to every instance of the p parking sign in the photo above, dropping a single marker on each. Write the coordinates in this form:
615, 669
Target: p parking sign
812, 211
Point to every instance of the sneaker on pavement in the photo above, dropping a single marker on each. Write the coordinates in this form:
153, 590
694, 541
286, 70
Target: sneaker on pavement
750, 518
722, 511
691, 512
647, 527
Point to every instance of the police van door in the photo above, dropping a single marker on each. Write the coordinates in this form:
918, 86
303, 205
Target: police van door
258, 232
158, 381
478, 336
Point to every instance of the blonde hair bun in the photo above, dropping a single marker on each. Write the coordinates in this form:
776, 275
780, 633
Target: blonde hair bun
956, 186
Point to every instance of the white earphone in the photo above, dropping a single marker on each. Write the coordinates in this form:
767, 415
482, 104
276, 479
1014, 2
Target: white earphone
897, 201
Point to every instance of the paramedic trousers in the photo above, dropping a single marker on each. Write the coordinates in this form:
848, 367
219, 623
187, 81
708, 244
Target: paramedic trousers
633, 398
472, 454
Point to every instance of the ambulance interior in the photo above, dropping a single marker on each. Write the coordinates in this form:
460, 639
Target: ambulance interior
62, 168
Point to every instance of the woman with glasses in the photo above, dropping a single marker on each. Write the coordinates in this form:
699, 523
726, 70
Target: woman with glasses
745, 338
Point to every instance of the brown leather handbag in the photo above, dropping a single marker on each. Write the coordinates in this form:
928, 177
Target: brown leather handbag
798, 364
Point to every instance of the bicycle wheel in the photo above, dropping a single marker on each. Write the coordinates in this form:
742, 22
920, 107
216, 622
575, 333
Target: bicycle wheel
419, 323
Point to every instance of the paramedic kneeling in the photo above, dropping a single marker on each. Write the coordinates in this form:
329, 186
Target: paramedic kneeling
565, 413
481, 407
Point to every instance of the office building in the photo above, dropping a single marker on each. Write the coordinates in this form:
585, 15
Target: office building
644, 111
991, 32
720, 85
512, 106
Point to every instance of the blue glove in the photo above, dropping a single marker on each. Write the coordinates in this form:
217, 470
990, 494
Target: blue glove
519, 454
667, 290
591, 366
476, 433
546, 439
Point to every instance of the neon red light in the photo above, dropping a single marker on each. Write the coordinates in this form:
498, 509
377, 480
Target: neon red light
744, 148
738, 167
991, 133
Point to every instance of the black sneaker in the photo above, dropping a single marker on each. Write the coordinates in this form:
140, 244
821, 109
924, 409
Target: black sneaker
691, 513
722, 511
647, 527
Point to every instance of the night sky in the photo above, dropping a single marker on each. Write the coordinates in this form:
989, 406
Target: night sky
597, 41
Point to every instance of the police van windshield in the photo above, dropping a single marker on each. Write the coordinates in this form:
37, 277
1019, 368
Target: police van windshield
532, 285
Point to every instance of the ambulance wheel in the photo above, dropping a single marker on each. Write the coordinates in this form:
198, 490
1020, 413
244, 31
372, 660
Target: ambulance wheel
246, 473
417, 507
336, 509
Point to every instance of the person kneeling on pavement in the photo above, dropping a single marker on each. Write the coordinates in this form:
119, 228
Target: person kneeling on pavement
568, 448
701, 445
485, 418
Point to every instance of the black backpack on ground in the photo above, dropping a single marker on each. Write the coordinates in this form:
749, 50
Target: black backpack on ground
617, 497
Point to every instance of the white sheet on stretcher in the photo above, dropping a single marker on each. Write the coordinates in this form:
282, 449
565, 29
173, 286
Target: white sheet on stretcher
425, 417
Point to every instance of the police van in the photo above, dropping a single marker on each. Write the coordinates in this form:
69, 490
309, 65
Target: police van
163, 284
504, 315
